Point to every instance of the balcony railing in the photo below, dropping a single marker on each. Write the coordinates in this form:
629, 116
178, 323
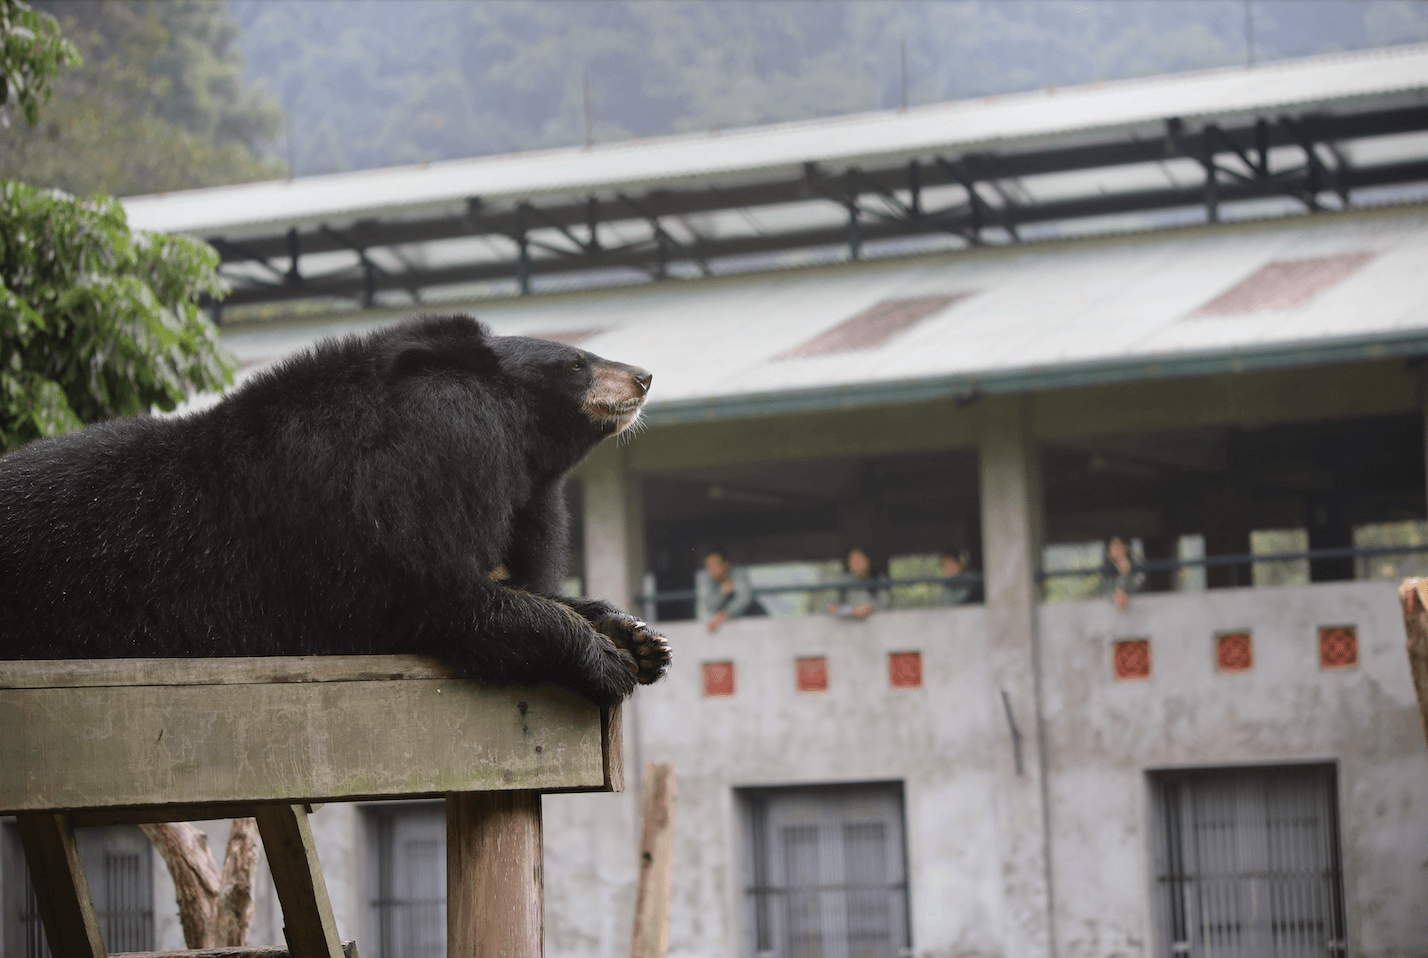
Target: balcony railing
1236, 564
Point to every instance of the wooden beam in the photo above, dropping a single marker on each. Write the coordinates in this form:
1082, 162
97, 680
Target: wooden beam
107, 746
61, 890
494, 884
1413, 598
256, 670
651, 937
612, 746
310, 929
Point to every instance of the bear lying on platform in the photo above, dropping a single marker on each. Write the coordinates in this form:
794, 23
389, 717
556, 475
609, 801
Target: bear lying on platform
399, 491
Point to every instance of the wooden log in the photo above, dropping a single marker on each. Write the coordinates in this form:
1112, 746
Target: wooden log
349, 950
1413, 598
297, 877
494, 884
652, 896
61, 890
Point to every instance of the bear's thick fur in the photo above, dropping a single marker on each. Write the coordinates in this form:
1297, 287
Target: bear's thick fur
364, 496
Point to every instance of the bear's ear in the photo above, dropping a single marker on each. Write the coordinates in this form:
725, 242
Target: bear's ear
470, 356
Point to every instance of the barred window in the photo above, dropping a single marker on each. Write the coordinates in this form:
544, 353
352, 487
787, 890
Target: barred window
118, 864
407, 880
1247, 863
825, 872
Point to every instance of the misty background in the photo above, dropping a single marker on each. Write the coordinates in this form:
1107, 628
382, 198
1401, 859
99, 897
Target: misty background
187, 93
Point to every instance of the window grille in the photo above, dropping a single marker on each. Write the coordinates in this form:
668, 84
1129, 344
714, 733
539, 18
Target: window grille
825, 872
118, 864
408, 882
1247, 863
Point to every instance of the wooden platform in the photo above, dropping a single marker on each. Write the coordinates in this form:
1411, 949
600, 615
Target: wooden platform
144, 740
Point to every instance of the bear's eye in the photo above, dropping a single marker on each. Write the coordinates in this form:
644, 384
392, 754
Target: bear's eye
577, 365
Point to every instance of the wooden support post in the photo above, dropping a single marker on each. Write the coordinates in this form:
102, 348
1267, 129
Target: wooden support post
297, 877
1413, 596
494, 887
651, 937
61, 890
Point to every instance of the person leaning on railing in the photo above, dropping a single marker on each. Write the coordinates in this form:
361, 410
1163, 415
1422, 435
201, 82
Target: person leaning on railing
1119, 577
858, 595
724, 592
952, 565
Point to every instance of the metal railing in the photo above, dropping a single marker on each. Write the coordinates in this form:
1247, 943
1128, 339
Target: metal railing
971, 580
1235, 562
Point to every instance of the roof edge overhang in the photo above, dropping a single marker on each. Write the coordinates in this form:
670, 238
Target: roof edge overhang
966, 388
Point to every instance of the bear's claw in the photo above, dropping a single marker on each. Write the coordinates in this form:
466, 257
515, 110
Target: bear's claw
648, 650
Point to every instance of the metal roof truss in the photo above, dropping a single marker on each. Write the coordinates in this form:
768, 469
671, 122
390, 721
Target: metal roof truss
1303, 159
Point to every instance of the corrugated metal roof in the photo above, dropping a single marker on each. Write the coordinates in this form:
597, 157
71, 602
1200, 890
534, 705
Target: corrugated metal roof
1047, 115
1049, 315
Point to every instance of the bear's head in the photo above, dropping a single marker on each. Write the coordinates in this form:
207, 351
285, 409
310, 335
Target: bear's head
572, 397
608, 394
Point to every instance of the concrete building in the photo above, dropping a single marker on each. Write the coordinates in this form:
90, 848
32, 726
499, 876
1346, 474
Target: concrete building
1232, 382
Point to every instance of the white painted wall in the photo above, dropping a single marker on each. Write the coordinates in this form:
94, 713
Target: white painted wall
1102, 735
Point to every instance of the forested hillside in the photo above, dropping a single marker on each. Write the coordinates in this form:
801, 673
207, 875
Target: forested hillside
181, 93
375, 83
159, 104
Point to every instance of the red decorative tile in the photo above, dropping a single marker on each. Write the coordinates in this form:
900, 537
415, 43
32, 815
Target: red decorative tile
718, 678
1283, 285
1338, 647
873, 327
812, 674
1234, 652
905, 670
1132, 658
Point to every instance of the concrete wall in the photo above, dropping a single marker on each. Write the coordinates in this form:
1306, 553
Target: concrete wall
945, 741
1102, 735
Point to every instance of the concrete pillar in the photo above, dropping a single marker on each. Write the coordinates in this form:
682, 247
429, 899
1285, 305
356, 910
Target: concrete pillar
614, 528
1011, 544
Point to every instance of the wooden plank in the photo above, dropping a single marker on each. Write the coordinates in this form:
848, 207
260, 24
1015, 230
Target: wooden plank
1413, 597
612, 747
652, 894
86, 748
308, 924
154, 814
494, 885
349, 950
257, 670
61, 890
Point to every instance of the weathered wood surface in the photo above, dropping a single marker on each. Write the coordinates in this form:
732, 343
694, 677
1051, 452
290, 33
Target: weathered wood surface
255, 670
104, 744
1413, 597
652, 894
495, 888
61, 890
349, 950
612, 743
308, 923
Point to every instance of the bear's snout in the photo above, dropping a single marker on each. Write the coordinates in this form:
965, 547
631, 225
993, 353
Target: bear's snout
616, 394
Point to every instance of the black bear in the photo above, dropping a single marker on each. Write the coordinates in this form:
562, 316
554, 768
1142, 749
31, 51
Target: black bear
398, 491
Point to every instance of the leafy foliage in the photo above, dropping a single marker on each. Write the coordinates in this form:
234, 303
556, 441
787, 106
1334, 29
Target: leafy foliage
32, 52
370, 83
96, 321
151, 109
